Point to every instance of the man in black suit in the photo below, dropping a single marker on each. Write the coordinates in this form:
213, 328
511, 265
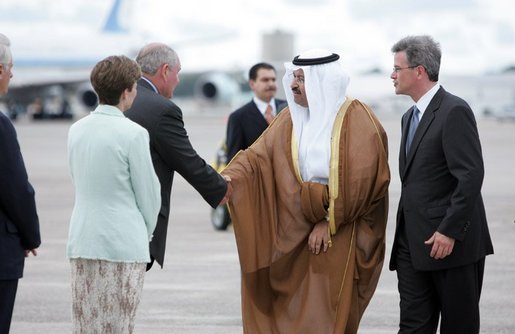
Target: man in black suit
247, 123
441, 238
170, 146
19, 224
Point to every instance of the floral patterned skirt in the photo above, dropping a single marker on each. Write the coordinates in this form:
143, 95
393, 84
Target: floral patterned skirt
105, 295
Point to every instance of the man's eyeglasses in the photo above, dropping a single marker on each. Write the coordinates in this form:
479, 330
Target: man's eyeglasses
398, 69
298, 79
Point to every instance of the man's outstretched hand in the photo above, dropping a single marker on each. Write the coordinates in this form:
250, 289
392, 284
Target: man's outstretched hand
228, 193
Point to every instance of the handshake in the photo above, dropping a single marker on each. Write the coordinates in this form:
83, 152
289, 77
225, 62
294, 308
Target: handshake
228, 193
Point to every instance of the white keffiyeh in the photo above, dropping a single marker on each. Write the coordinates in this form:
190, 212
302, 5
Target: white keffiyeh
325, 86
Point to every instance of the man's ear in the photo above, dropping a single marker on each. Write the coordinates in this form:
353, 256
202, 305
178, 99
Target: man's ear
162, 71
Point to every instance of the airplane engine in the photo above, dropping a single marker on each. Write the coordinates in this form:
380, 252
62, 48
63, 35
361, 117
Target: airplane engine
217, 87
87, 96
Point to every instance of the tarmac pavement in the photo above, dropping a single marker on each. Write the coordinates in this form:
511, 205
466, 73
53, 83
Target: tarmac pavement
198, 291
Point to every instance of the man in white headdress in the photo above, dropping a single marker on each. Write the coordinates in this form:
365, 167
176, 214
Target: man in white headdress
310, 205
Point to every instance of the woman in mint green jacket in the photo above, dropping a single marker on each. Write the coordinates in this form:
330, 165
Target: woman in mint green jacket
117, 200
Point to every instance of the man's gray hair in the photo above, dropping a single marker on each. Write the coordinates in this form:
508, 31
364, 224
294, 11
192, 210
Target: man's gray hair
5, 51
421, 50
152, 56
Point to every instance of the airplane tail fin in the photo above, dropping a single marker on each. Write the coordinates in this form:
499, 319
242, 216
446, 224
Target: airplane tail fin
113, 24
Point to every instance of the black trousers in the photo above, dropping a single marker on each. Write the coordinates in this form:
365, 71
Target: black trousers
7, 295
452, 294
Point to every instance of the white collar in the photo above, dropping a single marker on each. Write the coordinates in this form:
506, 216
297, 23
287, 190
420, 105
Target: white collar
151, 84
108, 109
261, 105
424, 101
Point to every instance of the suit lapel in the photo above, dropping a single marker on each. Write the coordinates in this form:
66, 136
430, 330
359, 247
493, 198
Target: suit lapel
424, 124
258, 116
279, 105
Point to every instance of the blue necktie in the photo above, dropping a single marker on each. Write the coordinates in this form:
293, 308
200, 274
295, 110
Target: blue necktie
412, 128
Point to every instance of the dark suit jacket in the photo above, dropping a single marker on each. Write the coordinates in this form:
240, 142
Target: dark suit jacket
441, 185
245, 125
19, 224
171, 151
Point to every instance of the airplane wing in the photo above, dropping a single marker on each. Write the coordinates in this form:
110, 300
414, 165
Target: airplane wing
56, 72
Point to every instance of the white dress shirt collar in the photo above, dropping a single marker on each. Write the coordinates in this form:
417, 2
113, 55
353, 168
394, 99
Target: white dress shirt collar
424, 101
261, 105
151, 84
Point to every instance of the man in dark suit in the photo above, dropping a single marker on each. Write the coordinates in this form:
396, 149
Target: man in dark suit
170, 147
19, 224
441, 238
247, 123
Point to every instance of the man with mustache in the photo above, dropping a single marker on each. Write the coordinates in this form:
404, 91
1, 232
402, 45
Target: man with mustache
310, 205
247, 123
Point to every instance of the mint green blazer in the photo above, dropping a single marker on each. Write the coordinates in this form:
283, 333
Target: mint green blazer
117, 193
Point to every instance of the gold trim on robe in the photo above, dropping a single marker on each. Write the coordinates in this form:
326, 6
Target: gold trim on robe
335, 160
286, 288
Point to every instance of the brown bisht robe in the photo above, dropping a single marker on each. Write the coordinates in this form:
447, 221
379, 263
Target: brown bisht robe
286, 288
